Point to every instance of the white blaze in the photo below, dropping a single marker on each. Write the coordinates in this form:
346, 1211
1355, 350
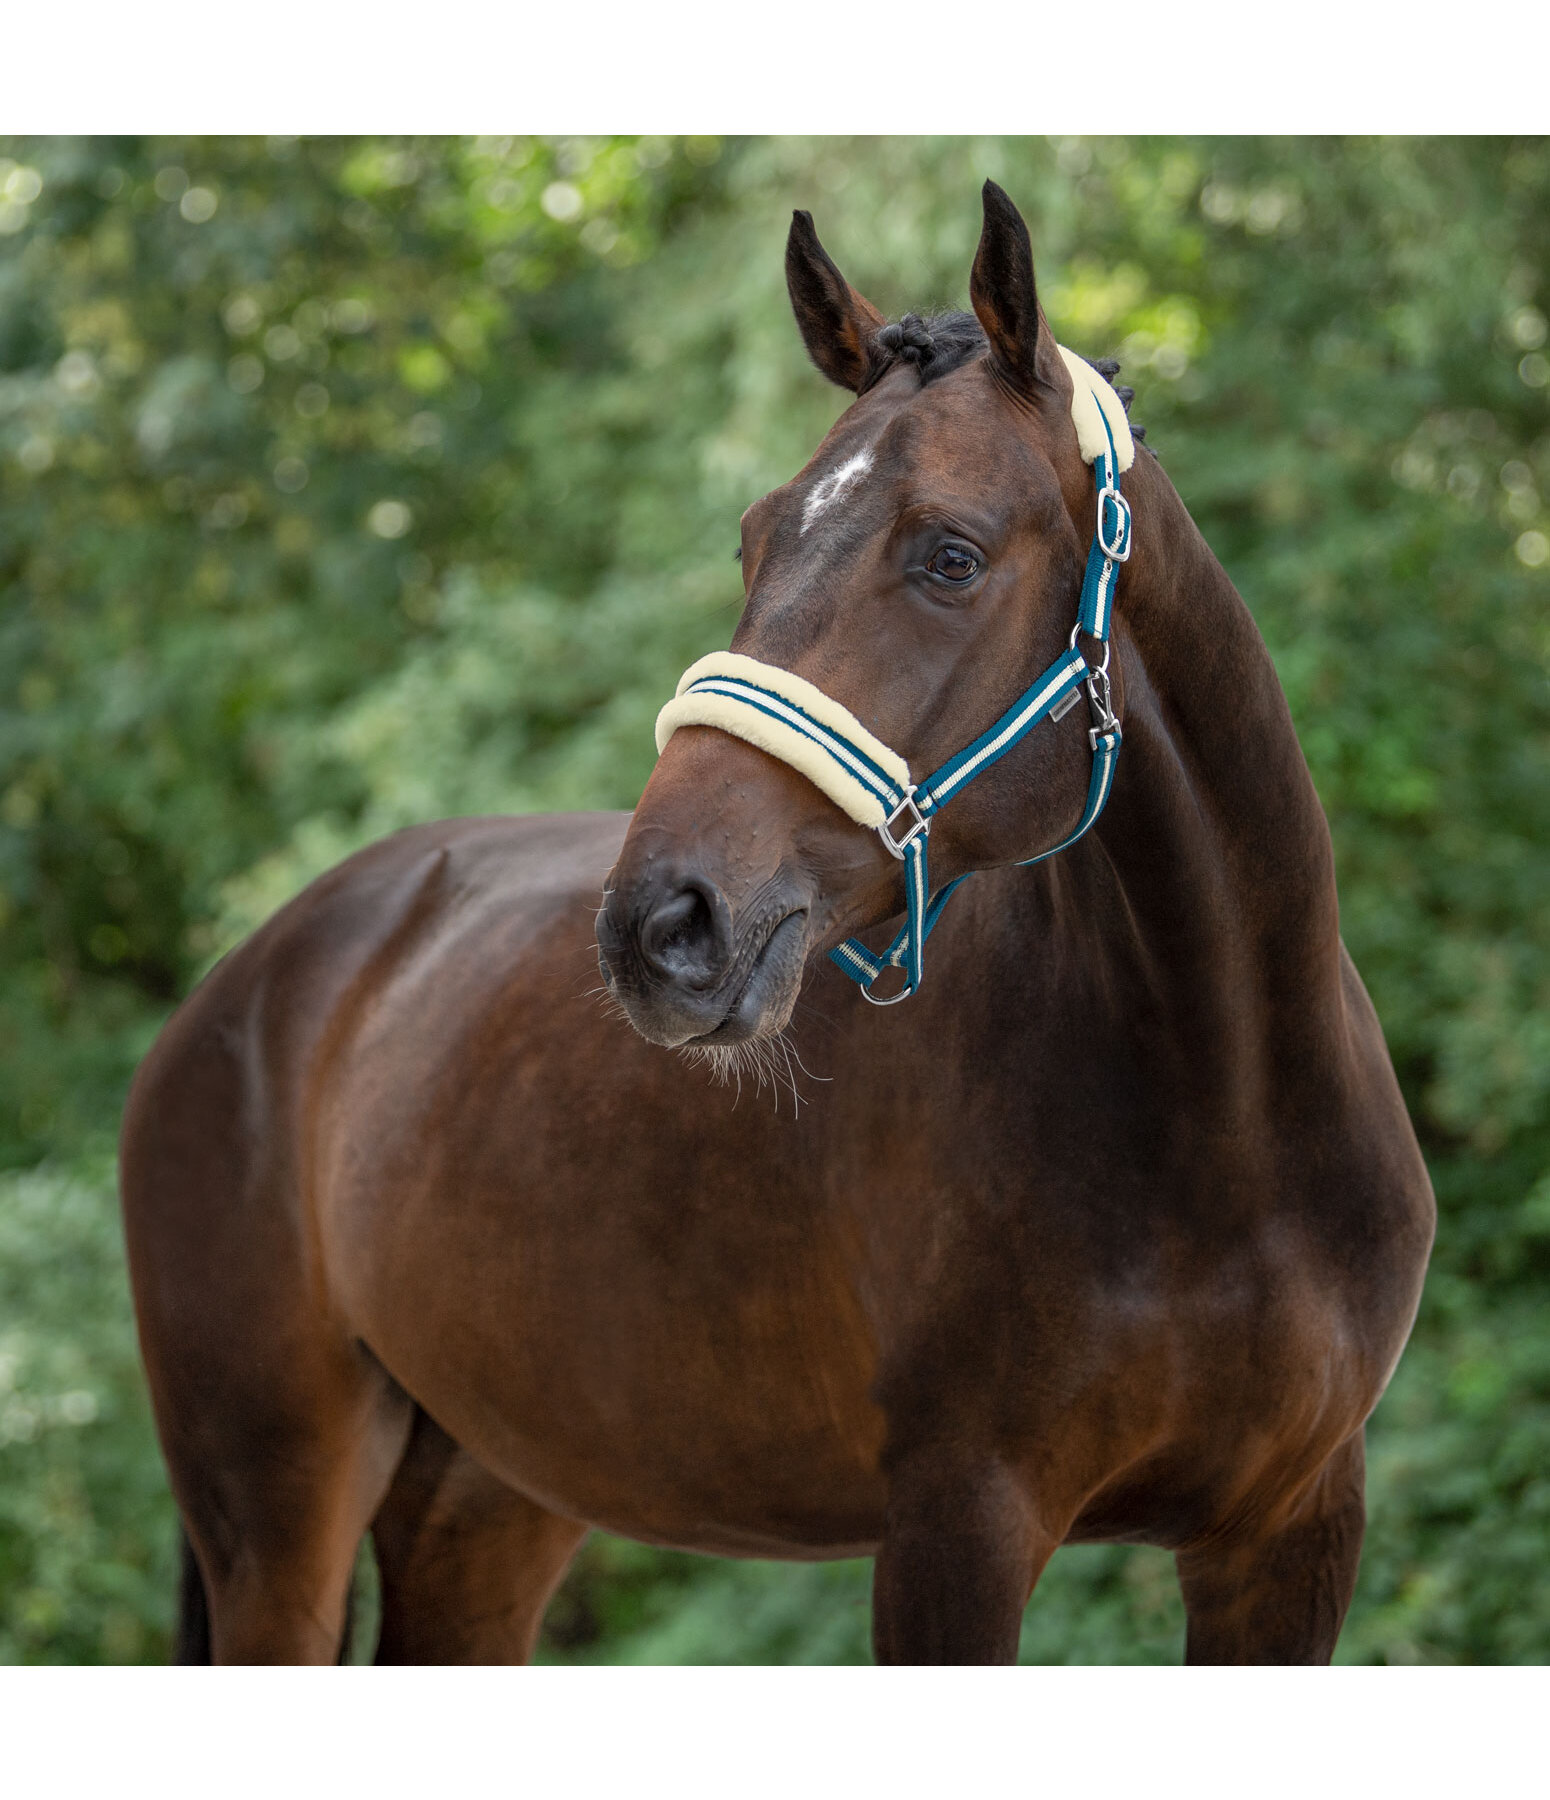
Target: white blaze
834, 484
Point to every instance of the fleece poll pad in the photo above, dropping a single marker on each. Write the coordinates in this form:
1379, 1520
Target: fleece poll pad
1094, 395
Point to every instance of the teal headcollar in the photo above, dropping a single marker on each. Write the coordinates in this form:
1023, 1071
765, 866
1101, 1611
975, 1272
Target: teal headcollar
796, 722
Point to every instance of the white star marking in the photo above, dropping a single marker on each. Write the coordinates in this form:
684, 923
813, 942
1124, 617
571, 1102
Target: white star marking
834, 484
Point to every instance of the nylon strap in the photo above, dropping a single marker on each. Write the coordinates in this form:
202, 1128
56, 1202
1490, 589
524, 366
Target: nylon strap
908, 948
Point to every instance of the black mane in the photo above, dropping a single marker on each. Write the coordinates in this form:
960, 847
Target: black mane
942, 342
936, 345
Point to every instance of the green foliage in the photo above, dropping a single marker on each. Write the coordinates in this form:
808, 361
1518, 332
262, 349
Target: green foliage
347, 484
622, 1603
86, 1564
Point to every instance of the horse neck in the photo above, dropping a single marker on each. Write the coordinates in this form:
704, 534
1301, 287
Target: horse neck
1214, 832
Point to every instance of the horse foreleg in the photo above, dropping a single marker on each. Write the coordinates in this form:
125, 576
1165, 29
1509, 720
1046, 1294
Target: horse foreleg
467, 1564
276, 1489
959, 1557
1281, 1598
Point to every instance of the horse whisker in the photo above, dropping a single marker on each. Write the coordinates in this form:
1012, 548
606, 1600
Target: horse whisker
769, 1062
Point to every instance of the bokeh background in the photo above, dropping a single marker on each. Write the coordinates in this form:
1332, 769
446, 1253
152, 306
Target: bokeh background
349, 483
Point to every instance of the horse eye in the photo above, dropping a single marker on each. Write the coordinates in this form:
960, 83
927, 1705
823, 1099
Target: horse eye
952, 562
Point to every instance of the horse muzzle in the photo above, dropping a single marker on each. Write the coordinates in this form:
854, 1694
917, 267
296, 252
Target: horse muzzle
686, 970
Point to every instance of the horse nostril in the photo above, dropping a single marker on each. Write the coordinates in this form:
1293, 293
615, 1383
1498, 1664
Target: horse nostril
682, 939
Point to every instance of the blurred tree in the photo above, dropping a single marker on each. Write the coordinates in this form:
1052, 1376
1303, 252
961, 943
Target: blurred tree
346, 484
255, 401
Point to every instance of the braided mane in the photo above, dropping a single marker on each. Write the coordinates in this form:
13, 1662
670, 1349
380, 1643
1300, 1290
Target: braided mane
937, 344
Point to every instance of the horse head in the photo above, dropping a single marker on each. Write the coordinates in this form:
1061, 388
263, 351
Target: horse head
920, 571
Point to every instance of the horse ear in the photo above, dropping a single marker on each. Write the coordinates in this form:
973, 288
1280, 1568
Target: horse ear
1006, 302
837, 325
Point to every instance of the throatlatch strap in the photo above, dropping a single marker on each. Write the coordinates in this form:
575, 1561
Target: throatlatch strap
799, 724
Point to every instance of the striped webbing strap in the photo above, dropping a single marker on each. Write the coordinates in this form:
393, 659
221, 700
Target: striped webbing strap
798, 723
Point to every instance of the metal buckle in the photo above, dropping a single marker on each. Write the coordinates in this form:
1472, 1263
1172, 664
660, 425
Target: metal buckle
1119, 550
897, 846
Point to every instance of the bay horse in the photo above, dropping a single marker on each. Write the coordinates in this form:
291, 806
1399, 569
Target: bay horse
1115, 1231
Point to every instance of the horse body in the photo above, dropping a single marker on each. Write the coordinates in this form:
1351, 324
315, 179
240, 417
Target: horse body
1115, 1231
